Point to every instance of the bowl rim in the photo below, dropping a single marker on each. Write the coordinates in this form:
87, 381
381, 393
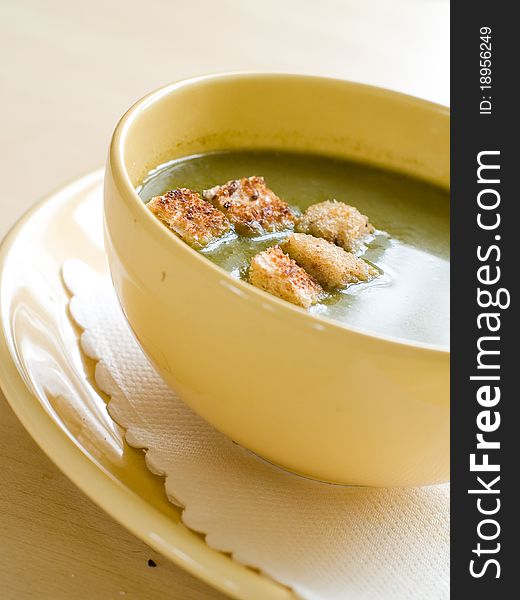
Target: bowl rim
120, 174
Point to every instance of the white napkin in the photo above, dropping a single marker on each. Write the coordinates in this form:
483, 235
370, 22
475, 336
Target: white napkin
324, 541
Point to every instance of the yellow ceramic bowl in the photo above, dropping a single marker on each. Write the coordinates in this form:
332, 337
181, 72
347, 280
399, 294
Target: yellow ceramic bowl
312, 395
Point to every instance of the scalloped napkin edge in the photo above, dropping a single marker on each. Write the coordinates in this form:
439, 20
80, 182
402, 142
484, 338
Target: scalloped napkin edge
324, 541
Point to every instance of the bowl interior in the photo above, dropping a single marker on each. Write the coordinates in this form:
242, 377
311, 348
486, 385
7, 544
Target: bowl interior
287, 112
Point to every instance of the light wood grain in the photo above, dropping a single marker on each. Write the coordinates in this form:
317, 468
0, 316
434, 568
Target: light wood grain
69, 70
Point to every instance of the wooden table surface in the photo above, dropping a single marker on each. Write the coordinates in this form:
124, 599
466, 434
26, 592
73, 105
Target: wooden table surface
69, 69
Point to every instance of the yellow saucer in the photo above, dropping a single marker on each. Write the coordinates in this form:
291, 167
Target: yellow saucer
48, 383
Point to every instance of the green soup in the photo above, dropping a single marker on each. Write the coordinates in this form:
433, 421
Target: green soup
410, 299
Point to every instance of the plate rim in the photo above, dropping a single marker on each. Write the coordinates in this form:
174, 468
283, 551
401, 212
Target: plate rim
122, 504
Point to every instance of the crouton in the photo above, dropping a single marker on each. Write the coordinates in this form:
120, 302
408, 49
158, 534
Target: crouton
331, 266
336, 222
193, 219
276, 273
251, 206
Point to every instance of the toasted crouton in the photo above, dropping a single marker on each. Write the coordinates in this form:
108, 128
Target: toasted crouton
193, 219
251, 206
276, 273
331, 266
336, 222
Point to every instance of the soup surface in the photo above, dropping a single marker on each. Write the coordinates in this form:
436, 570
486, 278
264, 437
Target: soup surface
410, 299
